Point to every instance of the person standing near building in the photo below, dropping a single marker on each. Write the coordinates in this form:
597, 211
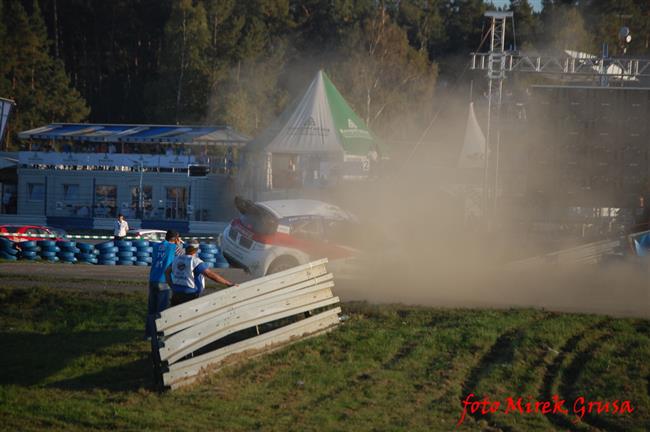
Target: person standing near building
159, 291
186, 276
120, 227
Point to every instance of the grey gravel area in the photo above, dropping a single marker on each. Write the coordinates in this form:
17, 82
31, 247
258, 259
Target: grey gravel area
86, 277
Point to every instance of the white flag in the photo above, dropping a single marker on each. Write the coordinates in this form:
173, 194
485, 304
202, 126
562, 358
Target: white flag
473, 151
5, 108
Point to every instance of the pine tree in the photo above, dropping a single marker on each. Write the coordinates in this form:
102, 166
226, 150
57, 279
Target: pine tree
380, 74
564, 28
525, 24
37, 82
422, 20
181, 92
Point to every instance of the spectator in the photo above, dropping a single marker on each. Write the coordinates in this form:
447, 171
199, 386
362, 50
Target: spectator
120, 228
163, 256
186, 276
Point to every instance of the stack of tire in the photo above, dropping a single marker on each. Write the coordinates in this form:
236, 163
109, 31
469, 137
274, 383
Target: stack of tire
211, 254
87, 253
107, 253
8, 250
220, 260
47, 249
142, 252
125, 252
29, 250
67, 251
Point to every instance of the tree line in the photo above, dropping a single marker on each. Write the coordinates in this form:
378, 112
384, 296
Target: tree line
241, 62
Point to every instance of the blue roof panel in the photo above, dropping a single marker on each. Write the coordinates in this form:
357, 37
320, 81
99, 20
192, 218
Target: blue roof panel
89, 132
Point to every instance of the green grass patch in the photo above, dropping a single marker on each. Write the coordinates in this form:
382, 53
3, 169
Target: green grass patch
76, 361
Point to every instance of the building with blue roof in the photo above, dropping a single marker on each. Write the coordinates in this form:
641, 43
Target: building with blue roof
81, 175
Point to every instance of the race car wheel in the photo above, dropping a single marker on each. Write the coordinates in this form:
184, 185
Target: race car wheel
281, 263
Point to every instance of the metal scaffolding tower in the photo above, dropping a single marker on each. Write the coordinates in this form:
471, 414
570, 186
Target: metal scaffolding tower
496, 73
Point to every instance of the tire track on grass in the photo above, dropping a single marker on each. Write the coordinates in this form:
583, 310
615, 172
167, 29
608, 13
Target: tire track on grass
564, 381
363, 378
503, 347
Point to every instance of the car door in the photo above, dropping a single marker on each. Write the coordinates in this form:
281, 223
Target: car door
29, 233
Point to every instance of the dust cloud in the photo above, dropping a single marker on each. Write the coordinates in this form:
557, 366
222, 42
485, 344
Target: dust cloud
421, 250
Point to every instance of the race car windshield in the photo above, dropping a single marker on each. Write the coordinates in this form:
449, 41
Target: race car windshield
259, 220
255, 217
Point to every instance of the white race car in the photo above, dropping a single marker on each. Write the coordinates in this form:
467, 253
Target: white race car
272, 236
147, 234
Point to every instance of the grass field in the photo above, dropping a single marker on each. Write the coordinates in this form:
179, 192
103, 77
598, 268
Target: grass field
75, 360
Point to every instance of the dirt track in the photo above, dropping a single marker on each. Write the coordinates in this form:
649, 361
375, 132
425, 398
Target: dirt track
618, 293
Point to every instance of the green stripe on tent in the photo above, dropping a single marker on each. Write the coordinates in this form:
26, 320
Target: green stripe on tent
353, 132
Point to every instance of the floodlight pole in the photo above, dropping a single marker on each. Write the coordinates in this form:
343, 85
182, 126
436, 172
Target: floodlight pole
140, 202
496, 75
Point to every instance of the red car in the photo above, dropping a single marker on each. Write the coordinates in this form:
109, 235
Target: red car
19, 233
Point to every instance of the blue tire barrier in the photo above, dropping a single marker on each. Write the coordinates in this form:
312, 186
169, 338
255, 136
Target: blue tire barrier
206, 256
124, 254
142, 254
8, 250
132, 249
141, 263
7, 256
28, 244
106, 262
107, 256
212, 251
148, 249
123, 243
125, 263
105, 245
31, 254
66, 244
66, 255
6, 241
46, 243
65, 261
85, 256
85, 247
52, 259
47, 254
50, 249
140, 243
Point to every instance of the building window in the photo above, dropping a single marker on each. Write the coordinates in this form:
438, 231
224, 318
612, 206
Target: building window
70, 192
176, 204
147, 200
105, 201
36, 191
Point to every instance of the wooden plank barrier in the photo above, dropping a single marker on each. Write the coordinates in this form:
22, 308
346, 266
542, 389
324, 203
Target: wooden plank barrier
263, 314
590, 253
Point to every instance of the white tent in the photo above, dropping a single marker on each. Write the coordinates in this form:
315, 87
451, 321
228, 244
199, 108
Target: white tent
315, 140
